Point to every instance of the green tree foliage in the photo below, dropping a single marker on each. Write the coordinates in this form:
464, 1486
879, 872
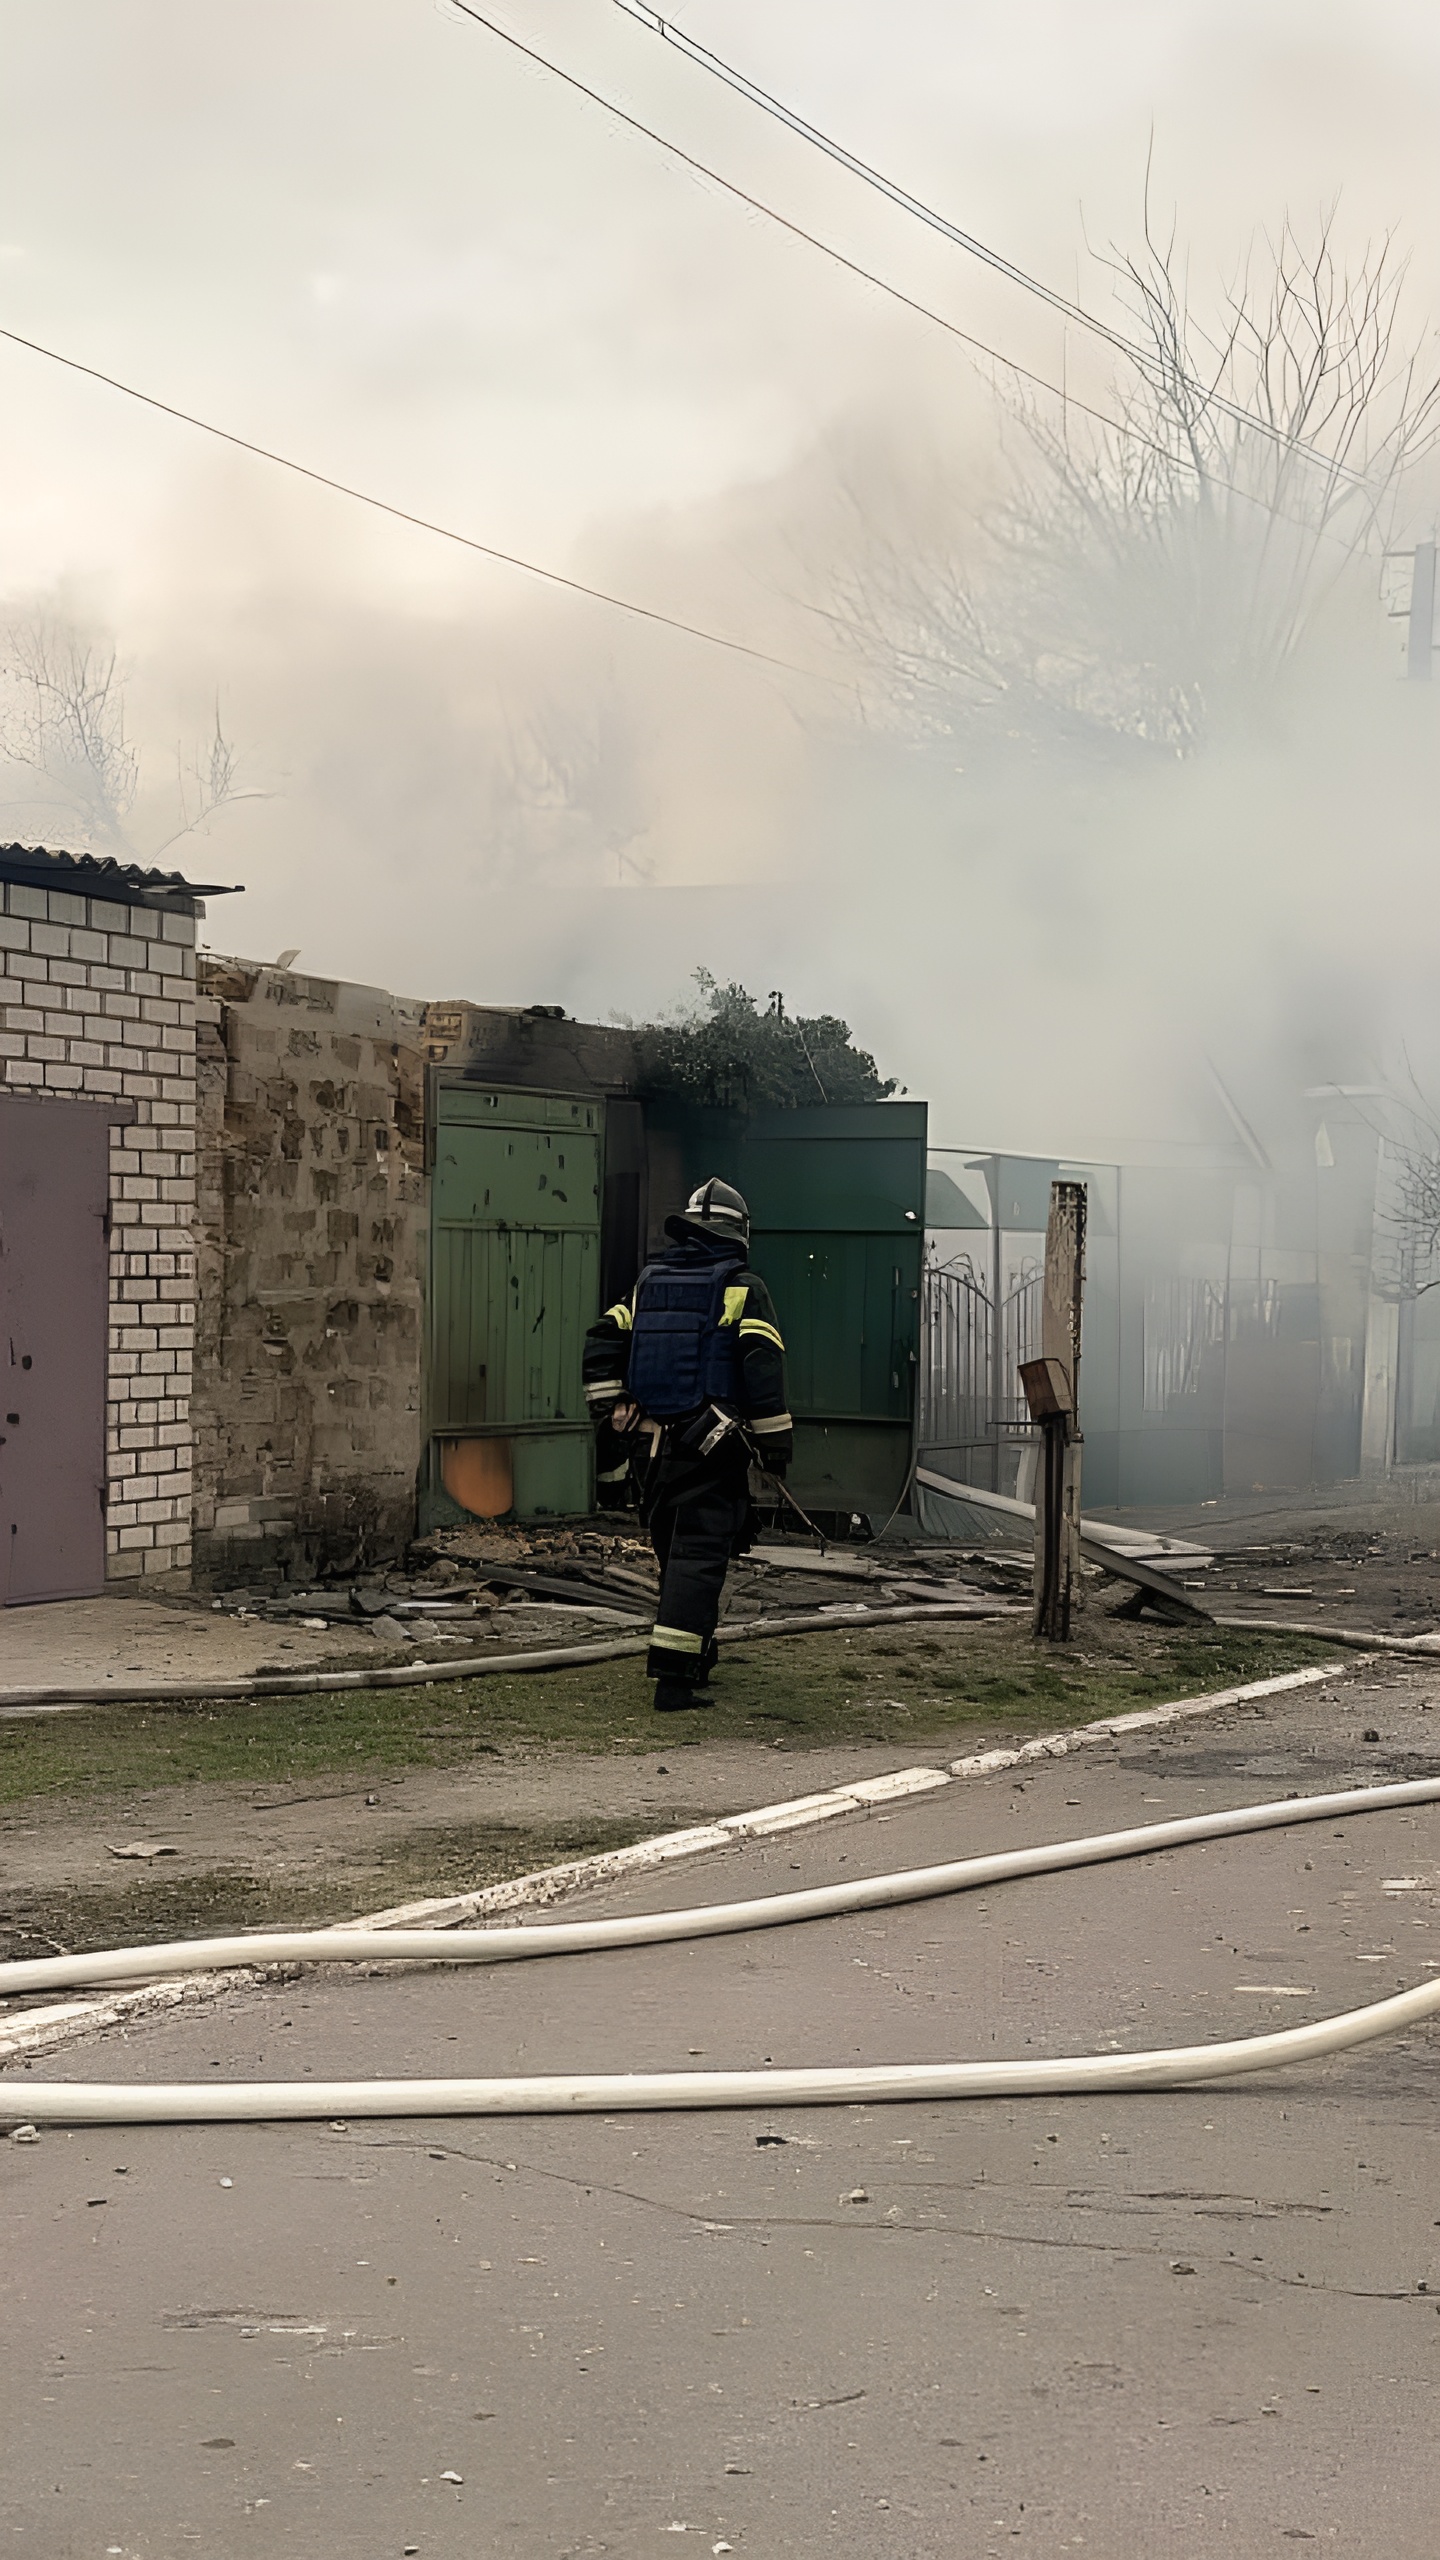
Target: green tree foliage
726, 1053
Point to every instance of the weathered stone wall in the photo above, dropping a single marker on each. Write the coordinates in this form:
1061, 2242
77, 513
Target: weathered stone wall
97, 1004
311, 1230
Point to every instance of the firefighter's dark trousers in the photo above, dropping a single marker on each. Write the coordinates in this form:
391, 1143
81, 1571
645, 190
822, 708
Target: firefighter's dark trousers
698, 1517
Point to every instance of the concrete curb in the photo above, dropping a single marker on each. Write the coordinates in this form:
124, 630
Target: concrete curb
38, 2031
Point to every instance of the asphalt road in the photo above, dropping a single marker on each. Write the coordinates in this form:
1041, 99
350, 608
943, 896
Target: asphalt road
1129, 2326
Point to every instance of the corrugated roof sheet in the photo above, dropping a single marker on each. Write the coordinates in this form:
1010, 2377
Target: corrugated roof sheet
98, 875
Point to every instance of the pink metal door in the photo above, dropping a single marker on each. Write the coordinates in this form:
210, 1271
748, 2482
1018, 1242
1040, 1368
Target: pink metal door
54, 1205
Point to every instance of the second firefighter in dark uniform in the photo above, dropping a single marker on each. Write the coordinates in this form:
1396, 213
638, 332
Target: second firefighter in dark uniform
686, 1382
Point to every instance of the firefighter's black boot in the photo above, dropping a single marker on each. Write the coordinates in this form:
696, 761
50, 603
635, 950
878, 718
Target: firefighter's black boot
673, 1696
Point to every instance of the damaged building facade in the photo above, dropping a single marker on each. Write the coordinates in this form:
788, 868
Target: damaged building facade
289, 1267
310, 1238
407, 1216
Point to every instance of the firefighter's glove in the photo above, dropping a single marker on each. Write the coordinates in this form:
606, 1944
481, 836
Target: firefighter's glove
708, 1432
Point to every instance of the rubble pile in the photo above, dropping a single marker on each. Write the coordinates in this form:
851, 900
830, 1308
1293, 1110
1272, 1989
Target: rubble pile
1384, 1577
540, 1585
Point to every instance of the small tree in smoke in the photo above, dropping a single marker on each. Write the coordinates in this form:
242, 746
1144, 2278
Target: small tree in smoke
62, 722
1416, 1219
1144, 587
566, 784
725, 1053
1407, 1237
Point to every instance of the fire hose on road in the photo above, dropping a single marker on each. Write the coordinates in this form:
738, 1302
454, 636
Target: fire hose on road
49, 2102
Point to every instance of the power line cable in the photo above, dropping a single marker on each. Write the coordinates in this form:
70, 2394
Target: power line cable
403, 515
812, 239
924, 310
749, 89
1144, 357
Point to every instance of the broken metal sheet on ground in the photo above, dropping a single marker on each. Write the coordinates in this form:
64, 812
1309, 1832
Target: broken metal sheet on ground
806, 1560
1131, 1555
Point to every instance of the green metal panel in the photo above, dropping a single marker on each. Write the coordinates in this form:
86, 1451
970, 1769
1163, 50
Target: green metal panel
850, 1319
552, 1475
851, 1169
510, 1311
837, 1199
504, 1176
473, 1106
515, 1279
850, 1466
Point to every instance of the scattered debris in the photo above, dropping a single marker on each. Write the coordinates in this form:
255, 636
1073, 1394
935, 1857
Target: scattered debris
482, 1585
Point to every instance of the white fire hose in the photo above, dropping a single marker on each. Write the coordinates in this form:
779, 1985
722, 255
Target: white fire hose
50, 2102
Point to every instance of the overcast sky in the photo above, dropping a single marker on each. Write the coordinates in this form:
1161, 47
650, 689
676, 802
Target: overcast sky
375, 238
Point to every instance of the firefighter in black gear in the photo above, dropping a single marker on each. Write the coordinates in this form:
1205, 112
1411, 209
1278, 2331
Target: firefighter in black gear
686, 1384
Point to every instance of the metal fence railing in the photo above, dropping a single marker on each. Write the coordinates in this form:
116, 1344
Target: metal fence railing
972, 1406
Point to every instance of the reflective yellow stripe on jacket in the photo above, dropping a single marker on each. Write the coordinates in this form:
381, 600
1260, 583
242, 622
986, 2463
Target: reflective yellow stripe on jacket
765, 1332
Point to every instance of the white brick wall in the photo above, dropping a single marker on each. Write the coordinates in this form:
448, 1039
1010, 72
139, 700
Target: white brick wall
98, 1000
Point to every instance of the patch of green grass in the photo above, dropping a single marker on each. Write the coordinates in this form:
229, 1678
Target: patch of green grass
896, 1686
155, 1905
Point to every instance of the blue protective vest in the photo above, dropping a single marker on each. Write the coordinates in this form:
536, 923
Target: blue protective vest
681, 1354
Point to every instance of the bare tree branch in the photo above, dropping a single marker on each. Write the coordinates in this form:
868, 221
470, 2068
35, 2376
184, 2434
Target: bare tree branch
65, 720
1134, 591
62, 718
216, 782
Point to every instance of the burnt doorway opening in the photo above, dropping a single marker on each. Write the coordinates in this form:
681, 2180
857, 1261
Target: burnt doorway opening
54, 1291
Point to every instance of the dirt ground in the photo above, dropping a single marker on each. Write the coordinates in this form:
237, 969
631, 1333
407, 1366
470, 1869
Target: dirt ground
254, 1813
1346, 1558
88, 1641
1347, 1562
93, 1642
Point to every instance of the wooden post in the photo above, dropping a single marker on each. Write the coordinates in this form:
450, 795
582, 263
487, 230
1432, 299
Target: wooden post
1051, 1386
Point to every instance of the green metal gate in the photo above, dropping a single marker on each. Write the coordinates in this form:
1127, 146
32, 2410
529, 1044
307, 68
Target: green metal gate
837, 1199
515, 1281
837, 1195
837, 1202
